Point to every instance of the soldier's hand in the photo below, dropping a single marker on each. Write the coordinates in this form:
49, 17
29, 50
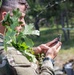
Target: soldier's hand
53, 51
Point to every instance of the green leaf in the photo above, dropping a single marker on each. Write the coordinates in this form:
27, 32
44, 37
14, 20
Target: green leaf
5, 46
28, 29
36, 32
23, 46
6, 20
29, 42
16, 13
21, 42
30, 56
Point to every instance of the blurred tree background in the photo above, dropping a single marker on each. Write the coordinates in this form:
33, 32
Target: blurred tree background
52, 13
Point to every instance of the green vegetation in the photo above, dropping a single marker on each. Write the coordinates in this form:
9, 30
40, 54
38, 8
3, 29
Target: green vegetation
20, 41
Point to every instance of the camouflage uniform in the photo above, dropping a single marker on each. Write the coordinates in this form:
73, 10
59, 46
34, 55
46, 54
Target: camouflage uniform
13, 62
17, 64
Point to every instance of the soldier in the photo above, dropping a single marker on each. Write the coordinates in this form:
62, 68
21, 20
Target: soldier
15, 63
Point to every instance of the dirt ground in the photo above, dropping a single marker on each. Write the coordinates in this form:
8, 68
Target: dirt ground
62, 59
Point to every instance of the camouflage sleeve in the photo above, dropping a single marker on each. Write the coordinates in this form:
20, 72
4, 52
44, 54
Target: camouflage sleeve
47, 68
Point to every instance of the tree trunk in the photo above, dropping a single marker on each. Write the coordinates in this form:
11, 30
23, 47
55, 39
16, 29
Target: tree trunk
36, 23
63, 25
68, 31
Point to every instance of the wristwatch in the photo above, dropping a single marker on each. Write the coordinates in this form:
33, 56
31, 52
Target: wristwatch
47, 58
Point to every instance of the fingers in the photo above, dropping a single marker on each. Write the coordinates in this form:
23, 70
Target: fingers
58, 49
53, 51
57, 45
52, 42
44, 48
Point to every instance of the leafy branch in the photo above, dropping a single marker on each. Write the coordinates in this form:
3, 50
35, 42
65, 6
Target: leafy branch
21, 42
